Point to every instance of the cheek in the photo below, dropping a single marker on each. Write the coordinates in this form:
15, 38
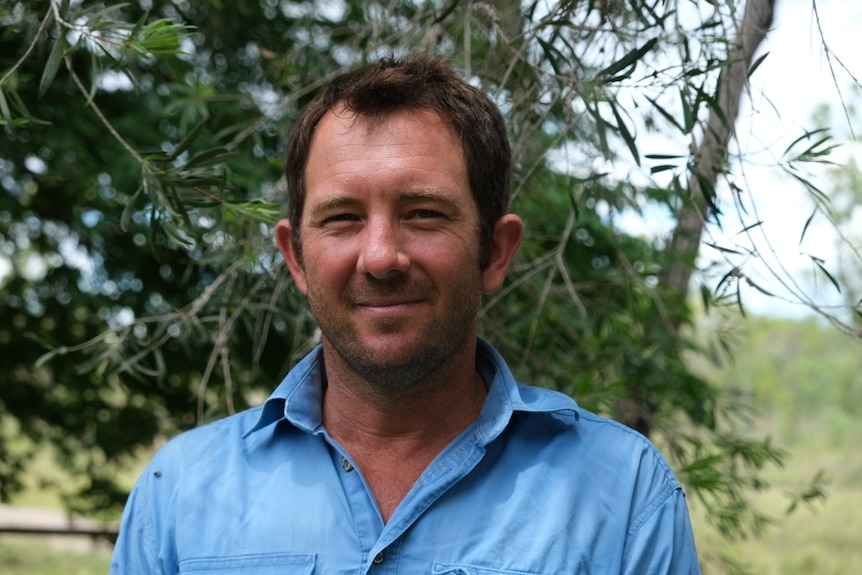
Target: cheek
329, 266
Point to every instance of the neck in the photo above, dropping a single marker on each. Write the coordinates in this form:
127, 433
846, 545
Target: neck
429, 412
394, 436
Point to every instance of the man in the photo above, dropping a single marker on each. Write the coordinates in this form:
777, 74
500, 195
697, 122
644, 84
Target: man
402, 444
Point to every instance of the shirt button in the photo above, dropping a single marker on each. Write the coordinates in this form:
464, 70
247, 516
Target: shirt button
346, 465
378, 559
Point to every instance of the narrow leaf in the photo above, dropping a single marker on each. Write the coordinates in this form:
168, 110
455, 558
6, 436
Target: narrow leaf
139, 24
805, 136
257, 210
826, 273
688, 114
186, 142
626, 135
5, 113
723, 249
46, 357
664, 156
757, 64
208, 157
629, 59
127, 211
53, 64
805, 227
667, 115
750, 227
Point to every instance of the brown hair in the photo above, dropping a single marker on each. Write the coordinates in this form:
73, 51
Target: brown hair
418, 82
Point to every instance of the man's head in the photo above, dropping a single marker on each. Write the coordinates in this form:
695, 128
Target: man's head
415, 83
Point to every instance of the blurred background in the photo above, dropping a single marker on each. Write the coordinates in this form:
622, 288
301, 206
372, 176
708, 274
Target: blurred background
687, 172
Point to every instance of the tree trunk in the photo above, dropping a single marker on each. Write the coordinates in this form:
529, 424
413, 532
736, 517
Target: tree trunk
711, 155
707, 164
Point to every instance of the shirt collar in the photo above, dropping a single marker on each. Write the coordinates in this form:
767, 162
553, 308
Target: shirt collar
298, 398
506, 395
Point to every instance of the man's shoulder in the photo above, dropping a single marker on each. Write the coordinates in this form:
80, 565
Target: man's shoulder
584, 437
212, 438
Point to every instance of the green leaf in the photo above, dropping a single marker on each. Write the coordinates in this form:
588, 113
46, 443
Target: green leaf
57, 54
256, 210
805, 227
186, 142
688, 114
46, 357
139, 24
627, 61
757, 64
664, 156
662, 168
819, 263
5, 113
626, 135
208, 157
667, 115
126, 217
750, 227
723, 249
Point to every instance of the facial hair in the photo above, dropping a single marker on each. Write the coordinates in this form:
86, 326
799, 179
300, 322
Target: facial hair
444, 334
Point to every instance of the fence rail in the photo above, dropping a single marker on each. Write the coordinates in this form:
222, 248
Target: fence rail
71, 531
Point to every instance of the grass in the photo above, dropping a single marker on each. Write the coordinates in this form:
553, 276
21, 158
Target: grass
28, 555
822, 538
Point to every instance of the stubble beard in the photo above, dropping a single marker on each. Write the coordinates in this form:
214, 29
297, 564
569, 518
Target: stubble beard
422, 364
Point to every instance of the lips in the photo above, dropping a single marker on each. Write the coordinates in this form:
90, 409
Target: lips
386, 303
392, 295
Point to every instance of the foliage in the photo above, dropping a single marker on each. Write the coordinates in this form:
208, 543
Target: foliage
140, 168
804, 378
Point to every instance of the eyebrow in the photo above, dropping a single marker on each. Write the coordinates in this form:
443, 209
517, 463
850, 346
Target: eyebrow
331, 203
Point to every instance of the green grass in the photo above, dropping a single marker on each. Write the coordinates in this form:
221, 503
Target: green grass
30, 555
824, 538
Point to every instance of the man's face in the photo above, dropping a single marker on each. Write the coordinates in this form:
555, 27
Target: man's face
390, 255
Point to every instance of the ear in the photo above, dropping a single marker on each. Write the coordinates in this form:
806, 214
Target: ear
284, 241
505, 240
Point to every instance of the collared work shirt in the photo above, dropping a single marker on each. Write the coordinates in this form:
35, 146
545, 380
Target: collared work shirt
535, 486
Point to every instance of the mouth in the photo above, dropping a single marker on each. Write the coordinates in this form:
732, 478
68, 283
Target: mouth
387, 305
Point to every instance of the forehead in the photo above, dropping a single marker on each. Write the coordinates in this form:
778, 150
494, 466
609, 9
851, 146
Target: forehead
406, 148
415, 124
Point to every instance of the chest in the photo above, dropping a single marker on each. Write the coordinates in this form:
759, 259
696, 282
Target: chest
313, 512
391, 477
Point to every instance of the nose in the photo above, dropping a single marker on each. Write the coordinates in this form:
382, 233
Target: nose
382, 253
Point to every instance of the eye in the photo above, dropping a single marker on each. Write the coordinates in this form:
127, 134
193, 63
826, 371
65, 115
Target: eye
340, 218
426, 214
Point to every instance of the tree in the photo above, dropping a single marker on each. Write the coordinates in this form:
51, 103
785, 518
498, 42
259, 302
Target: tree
141, 175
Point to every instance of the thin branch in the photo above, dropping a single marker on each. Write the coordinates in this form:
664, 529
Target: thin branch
184, 314
225, 329
101, 116
45, 22
829, 57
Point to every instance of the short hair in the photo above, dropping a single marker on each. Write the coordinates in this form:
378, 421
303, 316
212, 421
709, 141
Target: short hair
417, 82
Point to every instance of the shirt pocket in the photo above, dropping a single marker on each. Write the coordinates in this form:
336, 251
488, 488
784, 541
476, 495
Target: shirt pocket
263, 564
451, 569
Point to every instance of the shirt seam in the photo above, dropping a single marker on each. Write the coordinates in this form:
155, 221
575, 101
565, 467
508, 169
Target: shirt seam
150, 531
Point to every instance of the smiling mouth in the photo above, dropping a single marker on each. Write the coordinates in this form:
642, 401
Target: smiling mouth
388, 304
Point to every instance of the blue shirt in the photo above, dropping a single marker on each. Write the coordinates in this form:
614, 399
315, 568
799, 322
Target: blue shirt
535, 486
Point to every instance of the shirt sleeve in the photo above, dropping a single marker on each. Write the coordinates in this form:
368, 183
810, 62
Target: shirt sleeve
136, 551
664, 543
